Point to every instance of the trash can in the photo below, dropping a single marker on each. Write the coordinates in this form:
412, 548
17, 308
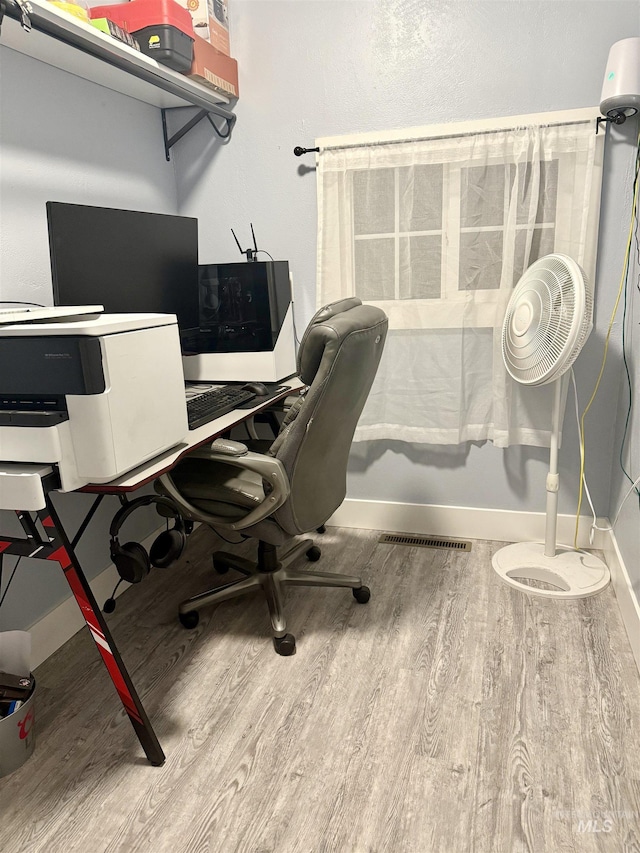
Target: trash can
18, 735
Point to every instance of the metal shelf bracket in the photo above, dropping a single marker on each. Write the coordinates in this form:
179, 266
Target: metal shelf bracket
170, 141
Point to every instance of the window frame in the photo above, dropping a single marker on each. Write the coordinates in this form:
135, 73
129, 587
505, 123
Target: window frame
477, 305
456, 308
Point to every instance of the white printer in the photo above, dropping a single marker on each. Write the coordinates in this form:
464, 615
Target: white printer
95, 396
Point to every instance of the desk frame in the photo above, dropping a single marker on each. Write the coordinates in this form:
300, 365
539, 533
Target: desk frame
57, 547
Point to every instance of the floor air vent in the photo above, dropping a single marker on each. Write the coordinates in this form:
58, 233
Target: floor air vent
424, 541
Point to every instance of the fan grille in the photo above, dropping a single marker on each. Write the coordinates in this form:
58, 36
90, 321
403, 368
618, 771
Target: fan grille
547, 321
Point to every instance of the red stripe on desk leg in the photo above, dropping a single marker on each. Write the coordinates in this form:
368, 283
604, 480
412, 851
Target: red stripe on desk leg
48, 522
102, 644
83, 602
119, 683
60, 556
98, 635
4, 546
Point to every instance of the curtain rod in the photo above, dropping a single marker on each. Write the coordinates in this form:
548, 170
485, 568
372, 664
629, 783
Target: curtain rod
298, 151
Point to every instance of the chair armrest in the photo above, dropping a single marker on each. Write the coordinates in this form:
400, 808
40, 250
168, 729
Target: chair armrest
270, 469
228, 447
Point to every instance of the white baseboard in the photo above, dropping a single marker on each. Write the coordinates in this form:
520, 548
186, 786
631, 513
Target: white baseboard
460, 522
500, 525
627, 601
60, 624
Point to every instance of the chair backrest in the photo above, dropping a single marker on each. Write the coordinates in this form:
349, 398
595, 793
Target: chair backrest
338, 359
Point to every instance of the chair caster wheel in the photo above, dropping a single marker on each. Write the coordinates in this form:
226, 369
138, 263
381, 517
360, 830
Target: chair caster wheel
190, 619
220, 568
313, 554
362, 594
285, 645
321, 529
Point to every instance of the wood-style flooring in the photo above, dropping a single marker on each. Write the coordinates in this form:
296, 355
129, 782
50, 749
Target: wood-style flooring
449, 714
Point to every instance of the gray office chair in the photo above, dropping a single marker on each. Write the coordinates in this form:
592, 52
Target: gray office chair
296, 485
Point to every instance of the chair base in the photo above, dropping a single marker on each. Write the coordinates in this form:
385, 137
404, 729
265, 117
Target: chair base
270, 573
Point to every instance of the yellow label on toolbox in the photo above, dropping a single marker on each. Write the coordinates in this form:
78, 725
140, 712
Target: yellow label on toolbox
154, 41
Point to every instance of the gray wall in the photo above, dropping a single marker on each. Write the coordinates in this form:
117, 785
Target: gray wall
311, 69
321, 68
64, 139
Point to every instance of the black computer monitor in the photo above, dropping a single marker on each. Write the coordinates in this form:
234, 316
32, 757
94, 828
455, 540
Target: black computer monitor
126, 260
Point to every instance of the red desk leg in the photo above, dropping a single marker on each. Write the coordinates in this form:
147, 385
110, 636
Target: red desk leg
59, 550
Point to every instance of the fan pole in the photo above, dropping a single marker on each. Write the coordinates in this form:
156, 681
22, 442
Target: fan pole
553, 480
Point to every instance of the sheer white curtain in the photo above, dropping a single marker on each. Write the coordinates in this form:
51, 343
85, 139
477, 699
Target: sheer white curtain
436, 226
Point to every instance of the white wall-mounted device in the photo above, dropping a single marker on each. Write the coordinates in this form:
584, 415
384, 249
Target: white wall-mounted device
621, 88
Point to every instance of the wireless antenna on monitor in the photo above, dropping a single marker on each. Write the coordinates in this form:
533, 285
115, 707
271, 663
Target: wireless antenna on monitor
252, 254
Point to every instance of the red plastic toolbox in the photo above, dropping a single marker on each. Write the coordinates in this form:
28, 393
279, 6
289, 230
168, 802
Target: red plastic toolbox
163, 28
139, 14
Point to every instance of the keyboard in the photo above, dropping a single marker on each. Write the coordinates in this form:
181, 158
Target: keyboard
215, 403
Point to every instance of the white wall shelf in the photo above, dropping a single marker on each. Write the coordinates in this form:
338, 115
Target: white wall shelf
66, 42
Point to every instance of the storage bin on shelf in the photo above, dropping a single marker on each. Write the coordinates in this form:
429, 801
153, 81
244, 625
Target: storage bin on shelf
214, 69
162, 28
77, 8
210, 22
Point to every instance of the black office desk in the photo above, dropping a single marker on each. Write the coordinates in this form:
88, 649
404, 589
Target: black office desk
55, 546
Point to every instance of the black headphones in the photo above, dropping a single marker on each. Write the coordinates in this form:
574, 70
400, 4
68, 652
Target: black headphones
131, 560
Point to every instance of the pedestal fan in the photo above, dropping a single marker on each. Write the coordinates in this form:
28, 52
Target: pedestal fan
548, 319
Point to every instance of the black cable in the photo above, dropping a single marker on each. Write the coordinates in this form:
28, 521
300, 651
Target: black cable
219, 132
6, 589
229, 541
264, 251
295, 330
110, 604
21, 302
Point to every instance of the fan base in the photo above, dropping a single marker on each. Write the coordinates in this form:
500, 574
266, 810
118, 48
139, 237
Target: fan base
576, 574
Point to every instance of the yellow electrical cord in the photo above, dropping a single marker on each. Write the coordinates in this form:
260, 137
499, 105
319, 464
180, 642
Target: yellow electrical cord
606, 346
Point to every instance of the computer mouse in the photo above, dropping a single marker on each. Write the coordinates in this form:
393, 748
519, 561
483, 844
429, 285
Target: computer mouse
257, 388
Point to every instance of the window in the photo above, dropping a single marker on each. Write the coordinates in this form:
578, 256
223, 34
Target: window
436, 226
411, 225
